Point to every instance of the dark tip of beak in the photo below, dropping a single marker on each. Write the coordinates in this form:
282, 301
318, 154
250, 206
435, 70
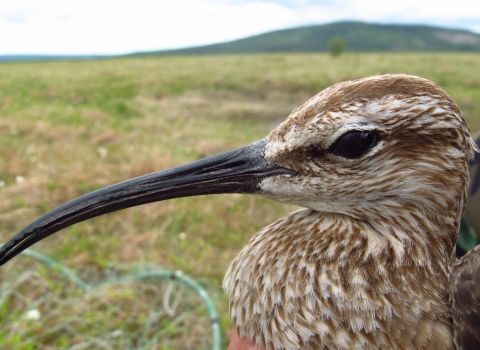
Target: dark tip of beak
236, 171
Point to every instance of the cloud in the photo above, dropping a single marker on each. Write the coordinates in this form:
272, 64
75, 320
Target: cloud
109, 26
124, 26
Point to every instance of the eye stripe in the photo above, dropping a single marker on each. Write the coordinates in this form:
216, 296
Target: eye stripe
354, 144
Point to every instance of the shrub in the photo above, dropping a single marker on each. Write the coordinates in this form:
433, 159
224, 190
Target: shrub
336, 45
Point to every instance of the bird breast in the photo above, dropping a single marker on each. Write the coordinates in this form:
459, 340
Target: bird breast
312, 280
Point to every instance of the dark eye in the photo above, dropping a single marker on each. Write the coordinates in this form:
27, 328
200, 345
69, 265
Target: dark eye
354, 144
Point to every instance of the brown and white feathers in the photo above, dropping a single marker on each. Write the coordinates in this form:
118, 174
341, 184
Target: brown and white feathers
368, 263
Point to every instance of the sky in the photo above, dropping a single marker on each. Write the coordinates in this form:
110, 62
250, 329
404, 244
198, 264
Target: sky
104, 27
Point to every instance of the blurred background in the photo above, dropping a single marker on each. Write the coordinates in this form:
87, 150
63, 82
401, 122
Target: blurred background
96, 92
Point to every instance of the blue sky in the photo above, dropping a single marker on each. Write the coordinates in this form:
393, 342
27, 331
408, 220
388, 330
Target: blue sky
122, 26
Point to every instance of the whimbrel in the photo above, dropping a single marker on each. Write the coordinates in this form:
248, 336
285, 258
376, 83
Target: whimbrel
380, 165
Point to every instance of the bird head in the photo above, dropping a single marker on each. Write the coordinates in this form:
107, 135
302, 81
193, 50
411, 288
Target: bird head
368, 148
380, 149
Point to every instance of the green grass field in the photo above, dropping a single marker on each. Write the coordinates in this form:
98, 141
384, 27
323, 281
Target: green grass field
67, 128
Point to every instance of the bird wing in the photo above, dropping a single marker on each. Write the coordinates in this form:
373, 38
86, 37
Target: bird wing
473, 202
465, 284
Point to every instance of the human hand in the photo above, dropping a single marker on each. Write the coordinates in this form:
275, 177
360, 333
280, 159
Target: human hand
241, 343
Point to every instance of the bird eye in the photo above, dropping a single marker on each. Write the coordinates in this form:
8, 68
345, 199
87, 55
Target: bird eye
354, 144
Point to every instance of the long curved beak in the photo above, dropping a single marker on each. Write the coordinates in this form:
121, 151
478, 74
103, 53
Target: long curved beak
236, 171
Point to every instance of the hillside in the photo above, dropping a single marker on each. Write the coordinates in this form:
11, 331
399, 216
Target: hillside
361, 37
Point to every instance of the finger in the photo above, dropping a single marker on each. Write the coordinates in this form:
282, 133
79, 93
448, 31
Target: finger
241, 343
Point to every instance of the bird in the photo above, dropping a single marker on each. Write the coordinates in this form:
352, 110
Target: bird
380, 167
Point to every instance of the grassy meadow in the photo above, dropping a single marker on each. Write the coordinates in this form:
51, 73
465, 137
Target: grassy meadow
67, 128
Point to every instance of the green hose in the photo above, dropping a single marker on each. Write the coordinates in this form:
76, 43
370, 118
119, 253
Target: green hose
177, 276
57, 266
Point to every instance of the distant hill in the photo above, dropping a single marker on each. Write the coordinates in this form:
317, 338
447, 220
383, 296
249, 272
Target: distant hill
361, 37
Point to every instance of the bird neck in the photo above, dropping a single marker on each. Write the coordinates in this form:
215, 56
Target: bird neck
414, 239
317, 279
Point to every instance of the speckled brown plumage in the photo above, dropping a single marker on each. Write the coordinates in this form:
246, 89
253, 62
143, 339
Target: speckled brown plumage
367, 264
